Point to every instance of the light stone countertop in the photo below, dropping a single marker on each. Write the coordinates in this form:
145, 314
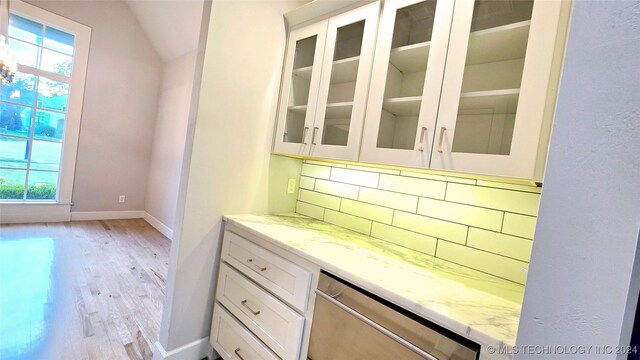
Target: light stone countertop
478, 306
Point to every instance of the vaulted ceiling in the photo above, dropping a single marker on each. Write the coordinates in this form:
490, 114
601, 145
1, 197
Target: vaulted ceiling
173, 26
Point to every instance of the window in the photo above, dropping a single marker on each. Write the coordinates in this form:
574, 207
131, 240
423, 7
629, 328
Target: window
40, 109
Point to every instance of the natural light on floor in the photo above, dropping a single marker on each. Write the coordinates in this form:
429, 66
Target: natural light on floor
26, 286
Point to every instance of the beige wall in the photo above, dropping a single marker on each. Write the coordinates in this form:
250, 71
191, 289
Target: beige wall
168, 146
120, 104
227, 157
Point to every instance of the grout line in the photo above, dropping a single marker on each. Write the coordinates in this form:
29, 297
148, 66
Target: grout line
501, 233
427, 197
466, 238
446, 187
502, 225
435, 252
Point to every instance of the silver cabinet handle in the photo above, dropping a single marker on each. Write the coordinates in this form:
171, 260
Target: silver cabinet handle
237, 352
422, 133
442, 130
304, 134
244, 303
313, 137
261, 268
376, 326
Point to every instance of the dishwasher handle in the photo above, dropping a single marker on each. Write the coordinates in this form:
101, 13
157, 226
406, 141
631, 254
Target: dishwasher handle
376, 326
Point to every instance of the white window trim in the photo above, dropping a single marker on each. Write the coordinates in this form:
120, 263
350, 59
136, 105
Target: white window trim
82, 35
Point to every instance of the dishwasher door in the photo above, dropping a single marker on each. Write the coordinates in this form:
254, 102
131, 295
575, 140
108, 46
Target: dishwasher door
351, 324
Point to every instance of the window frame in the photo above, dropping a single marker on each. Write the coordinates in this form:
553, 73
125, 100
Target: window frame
82, 34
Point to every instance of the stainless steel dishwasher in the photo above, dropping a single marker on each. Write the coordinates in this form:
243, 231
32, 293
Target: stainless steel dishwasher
350, 323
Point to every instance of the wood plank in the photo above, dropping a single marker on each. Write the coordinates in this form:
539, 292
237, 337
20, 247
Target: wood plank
107, 282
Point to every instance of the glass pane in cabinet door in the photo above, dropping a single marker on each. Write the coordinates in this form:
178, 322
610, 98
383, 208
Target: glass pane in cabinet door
344, 71
299, 92
492, 76
406, 75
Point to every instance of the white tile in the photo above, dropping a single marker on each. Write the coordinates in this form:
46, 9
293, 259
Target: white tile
367, 211
497, 265
318, 199
460, 180
325, 163
507, 245
519, 225
389, 199
307, 182
500, 199
310, 210
378, 170
316, 171
355, 177
413, 186
409, 239
348, 221
337, 189
430, 226
495, 184
463, 214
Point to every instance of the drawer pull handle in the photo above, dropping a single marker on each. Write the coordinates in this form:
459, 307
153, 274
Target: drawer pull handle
304, 135
261, 268
313, 136
237, 351
244, 303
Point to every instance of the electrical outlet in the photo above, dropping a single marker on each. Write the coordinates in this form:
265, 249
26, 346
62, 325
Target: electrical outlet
291, 186
121, 199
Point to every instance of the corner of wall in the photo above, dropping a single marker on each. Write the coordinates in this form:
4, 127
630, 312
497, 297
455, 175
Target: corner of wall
281, 169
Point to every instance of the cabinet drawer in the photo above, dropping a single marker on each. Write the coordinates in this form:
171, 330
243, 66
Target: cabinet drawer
233, 341
272, 321
283, 278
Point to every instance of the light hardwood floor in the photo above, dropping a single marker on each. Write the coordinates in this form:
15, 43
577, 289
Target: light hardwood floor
81, 290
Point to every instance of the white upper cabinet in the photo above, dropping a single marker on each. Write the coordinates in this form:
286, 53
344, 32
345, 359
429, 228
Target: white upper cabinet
411, 53
464, 86
495, 87
299, 92
324, 93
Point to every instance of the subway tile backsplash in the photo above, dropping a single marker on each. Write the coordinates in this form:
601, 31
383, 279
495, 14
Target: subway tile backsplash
485, 225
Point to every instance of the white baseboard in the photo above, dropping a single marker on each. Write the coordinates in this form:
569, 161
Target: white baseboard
106, 215
20, 213
195, 350
159, 225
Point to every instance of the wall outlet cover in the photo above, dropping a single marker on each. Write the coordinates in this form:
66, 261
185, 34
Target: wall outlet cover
291, 186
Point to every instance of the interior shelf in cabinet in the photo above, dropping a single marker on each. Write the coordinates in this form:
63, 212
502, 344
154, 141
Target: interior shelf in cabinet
298, 108
342, 71
403, 106
345, 70
507, 42
496, 101
340, 110
411, 58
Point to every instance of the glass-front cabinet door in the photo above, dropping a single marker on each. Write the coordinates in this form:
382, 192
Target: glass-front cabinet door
299, 91
344, 84
495, 86
411, 52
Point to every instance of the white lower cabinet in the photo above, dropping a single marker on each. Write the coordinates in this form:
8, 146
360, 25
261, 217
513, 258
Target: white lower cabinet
234, 341
275, 323
261, 303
